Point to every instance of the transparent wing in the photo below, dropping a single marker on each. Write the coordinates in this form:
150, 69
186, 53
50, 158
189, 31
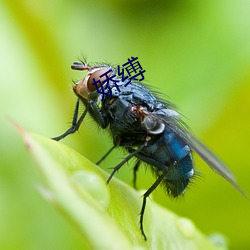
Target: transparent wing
175, 124
208, 156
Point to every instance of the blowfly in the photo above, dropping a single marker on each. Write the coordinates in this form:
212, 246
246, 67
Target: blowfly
148, 127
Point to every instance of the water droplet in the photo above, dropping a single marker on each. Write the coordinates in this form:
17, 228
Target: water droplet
186, 226
94, 185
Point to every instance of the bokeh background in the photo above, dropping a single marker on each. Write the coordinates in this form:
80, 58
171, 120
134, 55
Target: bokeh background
195, 52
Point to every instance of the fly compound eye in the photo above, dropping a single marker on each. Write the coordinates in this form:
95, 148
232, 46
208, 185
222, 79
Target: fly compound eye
98, 77
153, 126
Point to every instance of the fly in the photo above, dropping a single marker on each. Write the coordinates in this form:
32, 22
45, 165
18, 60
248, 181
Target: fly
149, 128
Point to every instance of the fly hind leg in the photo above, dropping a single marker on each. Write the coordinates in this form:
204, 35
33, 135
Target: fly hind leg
145, 196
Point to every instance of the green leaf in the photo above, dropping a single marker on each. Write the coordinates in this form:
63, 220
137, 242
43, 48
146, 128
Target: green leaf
106, 215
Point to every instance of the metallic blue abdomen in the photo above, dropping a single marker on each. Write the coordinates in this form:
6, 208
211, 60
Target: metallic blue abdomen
170, 154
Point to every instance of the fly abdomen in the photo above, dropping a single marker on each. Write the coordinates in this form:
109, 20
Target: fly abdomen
178, 176
177, 147
180, 168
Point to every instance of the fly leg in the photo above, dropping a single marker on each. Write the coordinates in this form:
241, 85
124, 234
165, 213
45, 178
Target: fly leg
90, 107
105, 155
116, 168
135, 169
145, 196
75, 124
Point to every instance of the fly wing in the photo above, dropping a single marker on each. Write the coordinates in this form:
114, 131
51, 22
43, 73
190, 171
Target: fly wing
207, 155
174, 123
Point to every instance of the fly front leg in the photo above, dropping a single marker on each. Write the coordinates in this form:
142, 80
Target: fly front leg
75, 123
93, 109
97, 114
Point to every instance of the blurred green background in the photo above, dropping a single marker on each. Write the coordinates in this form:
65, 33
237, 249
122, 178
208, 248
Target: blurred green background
195, 52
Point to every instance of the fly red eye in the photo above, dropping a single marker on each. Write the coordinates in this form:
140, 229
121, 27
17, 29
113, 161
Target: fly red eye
99, 80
